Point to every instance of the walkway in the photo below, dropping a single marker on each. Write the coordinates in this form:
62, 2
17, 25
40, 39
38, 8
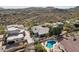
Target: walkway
28, 38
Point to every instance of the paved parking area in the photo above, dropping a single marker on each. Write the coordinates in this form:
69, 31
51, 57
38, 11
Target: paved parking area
70, 45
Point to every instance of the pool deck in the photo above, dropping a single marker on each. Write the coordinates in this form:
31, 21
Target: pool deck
48, 49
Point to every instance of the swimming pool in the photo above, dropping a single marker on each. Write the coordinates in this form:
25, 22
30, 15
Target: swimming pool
50, 43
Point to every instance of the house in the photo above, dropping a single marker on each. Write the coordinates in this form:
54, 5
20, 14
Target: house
55, 25
39, 30
58, 24
14, 33
76, 23
47, 24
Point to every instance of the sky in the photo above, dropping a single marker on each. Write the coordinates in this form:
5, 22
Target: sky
15, 7
64, 4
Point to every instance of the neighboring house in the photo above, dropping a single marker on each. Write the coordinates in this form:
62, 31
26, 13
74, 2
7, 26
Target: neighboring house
14, 33
76, 23
17, 33
58, 24
47, 24
39, 30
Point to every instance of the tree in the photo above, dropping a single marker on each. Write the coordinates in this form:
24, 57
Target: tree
55, 30
39, 48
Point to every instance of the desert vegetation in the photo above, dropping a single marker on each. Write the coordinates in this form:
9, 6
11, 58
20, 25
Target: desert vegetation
37, 15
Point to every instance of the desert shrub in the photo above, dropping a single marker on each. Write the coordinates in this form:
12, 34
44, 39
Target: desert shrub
1, 29
39, 48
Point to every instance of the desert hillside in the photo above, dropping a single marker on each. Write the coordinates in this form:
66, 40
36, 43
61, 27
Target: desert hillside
37, 15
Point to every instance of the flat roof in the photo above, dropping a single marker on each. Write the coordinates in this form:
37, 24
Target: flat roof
12, 29
14, 37
40, 30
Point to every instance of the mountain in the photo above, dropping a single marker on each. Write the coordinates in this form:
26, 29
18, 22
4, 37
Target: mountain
1, 8
37, 15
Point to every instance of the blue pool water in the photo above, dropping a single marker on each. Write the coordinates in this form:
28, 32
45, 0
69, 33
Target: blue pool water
50, 43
